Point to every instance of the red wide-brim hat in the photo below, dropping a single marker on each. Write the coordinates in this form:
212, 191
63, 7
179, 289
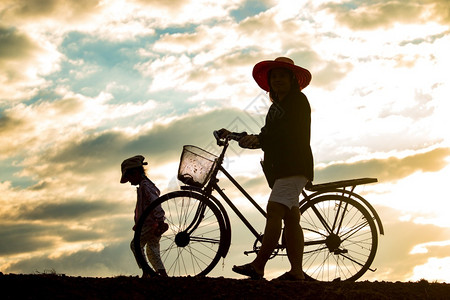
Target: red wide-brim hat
261, 70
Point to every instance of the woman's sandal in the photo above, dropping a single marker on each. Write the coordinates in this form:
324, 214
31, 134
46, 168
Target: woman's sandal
248, 270
288, 277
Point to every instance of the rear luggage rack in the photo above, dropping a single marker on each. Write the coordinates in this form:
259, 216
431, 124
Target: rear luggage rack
339, 184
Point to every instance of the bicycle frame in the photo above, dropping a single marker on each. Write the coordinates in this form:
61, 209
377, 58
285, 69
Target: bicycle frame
234, 208
320, 189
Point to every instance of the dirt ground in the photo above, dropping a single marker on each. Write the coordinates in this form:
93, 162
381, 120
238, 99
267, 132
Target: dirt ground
55, 286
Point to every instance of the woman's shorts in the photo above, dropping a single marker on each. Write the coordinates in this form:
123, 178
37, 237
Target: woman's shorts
287, 190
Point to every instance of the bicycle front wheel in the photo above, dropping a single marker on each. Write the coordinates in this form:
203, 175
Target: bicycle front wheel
195, 240
340, 238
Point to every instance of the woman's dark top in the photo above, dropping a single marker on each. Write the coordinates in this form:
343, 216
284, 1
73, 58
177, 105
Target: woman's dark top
285, 139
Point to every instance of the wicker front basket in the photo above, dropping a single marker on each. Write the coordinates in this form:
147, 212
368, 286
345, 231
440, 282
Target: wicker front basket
196, 166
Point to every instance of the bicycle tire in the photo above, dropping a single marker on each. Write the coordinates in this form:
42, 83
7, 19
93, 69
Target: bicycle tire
195, 240
341, 238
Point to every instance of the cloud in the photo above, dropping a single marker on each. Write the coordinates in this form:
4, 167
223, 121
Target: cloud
389, 169
46, 238
175, 13
329, 76
258, 25
112, 20
21, 238
435, 269
48, 123
162, 143
201, 62
62, 10
69, 210
32, 237
9, 124
250, 8
421, 107
440, 10
428, 39
22, 61
35, 124
385, 13
15, 45
394, 260
435, 248
52, 139
113, 259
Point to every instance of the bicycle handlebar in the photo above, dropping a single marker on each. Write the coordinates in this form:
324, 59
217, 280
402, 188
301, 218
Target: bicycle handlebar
236, 136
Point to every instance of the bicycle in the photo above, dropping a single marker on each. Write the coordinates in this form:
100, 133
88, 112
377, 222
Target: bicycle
340, 227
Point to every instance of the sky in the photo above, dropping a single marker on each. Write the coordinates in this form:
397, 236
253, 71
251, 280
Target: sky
85, 84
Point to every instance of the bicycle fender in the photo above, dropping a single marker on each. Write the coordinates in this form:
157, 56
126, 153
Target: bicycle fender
350, 195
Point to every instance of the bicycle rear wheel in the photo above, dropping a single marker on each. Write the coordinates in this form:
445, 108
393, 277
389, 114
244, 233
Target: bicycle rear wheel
195, 240
340, 238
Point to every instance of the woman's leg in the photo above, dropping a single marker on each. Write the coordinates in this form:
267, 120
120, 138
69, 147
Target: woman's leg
141, 248
294, 241
275, 214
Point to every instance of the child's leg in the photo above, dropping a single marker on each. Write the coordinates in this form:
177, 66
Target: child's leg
144, 237
133, 249
153, 254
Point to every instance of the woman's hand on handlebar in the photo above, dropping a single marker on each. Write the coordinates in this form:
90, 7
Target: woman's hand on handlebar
248, 141
223, 133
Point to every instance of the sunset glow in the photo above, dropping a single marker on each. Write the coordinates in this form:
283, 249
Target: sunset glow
84, 85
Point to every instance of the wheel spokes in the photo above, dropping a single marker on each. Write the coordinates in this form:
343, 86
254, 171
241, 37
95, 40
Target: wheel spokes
340, 238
